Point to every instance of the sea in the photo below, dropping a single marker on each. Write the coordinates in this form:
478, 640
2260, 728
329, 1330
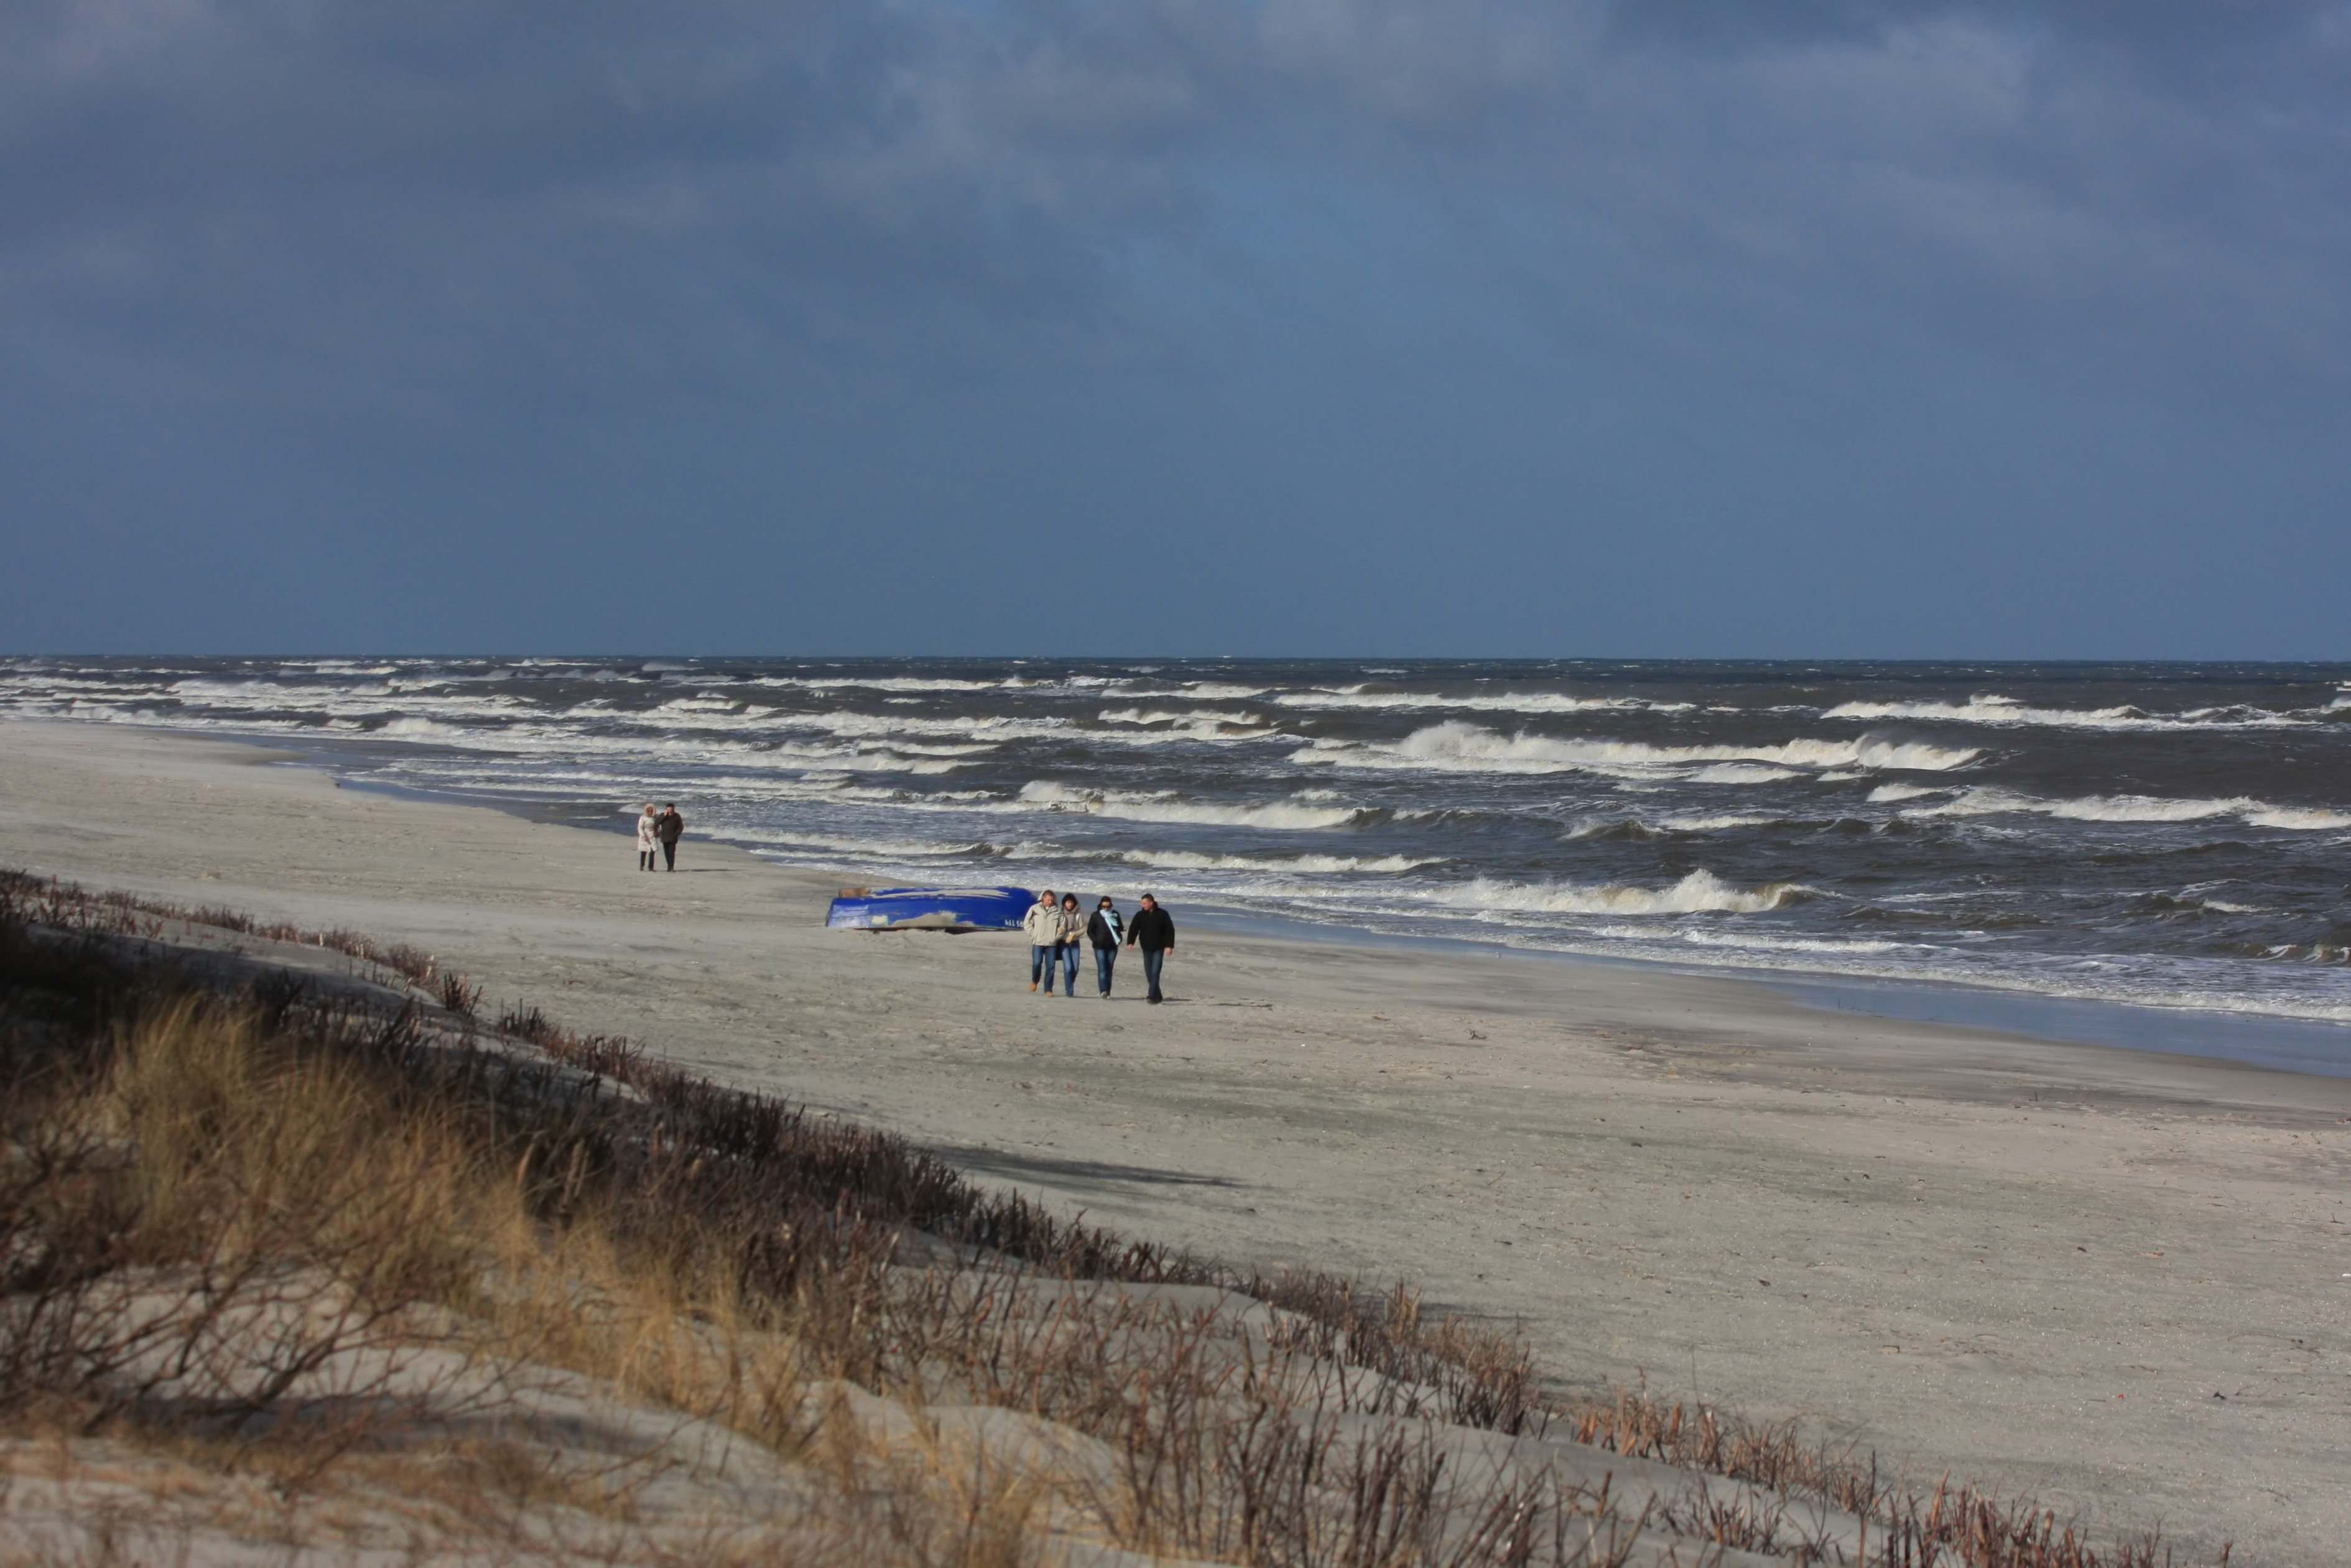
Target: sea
2156, 836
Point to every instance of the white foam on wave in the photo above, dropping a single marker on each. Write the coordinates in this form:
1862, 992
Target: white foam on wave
1984, 802
1192, 719
1889, 792
882, 682
1715, 824
866, 760
1751, 942
882, 794
259, 696
1741, 773
1346, 697
1317, 865
1990, 707
2302, 818
1053, 792
1165, 805
1702, 823
1180, 734
705, 703
1274, 815
1701, 892
342, 667
1456, 746
986, 729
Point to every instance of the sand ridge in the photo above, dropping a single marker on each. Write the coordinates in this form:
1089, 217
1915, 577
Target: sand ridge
2110, 1277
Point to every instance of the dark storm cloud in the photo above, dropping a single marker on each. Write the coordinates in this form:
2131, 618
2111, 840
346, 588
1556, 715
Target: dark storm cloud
458, 163
280, 233
2147, 27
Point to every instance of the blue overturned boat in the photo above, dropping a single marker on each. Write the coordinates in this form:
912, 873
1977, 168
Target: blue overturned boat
931, 909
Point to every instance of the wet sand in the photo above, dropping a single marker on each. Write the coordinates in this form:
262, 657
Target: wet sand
2112, 1278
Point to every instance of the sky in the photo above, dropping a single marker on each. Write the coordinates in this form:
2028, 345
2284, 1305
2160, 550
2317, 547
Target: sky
2018, 329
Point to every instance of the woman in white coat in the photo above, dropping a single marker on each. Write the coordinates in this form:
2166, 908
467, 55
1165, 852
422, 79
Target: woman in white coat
648, 837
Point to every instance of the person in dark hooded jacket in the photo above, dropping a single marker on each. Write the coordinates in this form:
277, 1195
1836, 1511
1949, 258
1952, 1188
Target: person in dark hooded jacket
1153, 931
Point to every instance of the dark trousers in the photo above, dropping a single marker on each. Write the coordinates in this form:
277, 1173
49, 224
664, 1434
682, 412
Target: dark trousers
1040, 966
1151, 958
669, 853
644, 860
1069, 970
1106, 959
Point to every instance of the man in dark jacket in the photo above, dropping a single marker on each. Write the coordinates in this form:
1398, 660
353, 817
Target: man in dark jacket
669, 827
1152, 930
1105, 931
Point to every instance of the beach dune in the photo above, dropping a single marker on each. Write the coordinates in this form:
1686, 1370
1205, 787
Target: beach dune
2120, 1281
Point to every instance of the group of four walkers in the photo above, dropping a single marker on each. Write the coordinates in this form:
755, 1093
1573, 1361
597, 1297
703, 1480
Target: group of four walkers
1056, 929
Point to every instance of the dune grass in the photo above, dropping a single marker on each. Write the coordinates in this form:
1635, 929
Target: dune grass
311, 1233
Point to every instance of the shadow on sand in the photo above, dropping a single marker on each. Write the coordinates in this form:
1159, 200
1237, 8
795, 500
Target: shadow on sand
1007, 1166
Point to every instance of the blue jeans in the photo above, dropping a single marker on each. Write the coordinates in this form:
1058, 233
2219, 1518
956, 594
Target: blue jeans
1070, 964
1106, 958
1040, 967
1151, 959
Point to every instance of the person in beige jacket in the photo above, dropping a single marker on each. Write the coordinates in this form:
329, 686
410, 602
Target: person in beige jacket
1043, 924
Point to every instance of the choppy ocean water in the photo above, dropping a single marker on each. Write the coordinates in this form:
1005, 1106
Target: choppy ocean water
2163, 834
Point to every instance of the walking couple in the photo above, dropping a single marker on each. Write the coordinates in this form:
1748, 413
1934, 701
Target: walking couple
659, 830
1057, 930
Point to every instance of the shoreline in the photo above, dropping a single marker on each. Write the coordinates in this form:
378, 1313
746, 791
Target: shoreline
2090, 1273
2276, 1041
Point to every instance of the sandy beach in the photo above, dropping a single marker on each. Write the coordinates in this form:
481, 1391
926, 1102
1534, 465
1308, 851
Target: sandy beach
2117, 1281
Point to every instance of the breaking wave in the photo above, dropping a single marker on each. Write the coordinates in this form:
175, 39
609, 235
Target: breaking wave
2065, 839
1468, 748
878, 683
1638, 827
1343, 697
1218, 690
1168, 808
1985, 803
1316, 866
1699, 893
1992, 708
1207, 718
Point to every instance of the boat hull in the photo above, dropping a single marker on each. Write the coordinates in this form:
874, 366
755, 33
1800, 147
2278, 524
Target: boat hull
930, 908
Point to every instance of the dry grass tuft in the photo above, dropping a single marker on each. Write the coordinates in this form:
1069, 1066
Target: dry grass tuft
313, 1234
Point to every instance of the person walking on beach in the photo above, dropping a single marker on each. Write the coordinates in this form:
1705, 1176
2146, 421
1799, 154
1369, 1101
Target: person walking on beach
1073, 936
1152, 930
1105, 931
1043, 924
648, 837
669, 827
